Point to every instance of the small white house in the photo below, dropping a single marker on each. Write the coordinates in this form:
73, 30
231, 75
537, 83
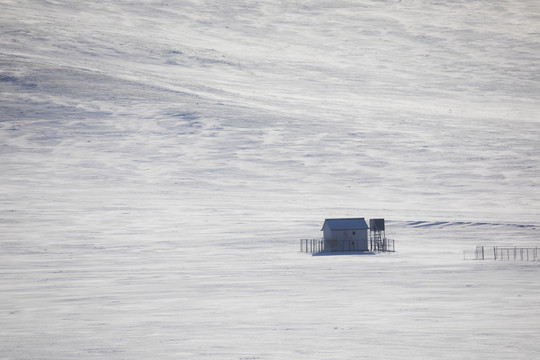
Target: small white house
345, 234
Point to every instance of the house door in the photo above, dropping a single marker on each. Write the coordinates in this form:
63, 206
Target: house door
347, 241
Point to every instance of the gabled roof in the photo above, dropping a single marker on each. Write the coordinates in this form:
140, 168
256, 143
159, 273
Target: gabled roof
346, 224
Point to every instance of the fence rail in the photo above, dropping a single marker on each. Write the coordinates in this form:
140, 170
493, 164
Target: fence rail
502, 253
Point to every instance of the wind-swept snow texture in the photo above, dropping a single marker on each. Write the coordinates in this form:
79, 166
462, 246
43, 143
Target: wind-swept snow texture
160, 161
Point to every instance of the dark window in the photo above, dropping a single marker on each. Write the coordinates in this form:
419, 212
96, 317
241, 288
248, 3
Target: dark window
354, 232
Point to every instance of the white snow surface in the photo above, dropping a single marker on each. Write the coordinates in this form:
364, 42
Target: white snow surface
161, 160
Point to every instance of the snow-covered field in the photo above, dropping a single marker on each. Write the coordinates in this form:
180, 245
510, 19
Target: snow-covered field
161, 160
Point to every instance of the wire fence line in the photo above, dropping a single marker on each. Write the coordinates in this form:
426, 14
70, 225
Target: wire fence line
502, 253
314, 246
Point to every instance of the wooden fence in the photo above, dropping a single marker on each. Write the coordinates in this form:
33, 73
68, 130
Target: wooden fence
311, 245
384, 245
501, 253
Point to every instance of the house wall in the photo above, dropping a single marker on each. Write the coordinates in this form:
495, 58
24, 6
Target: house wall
327, 233
345, 240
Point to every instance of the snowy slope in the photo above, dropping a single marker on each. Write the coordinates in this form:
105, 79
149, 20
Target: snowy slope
160, 161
